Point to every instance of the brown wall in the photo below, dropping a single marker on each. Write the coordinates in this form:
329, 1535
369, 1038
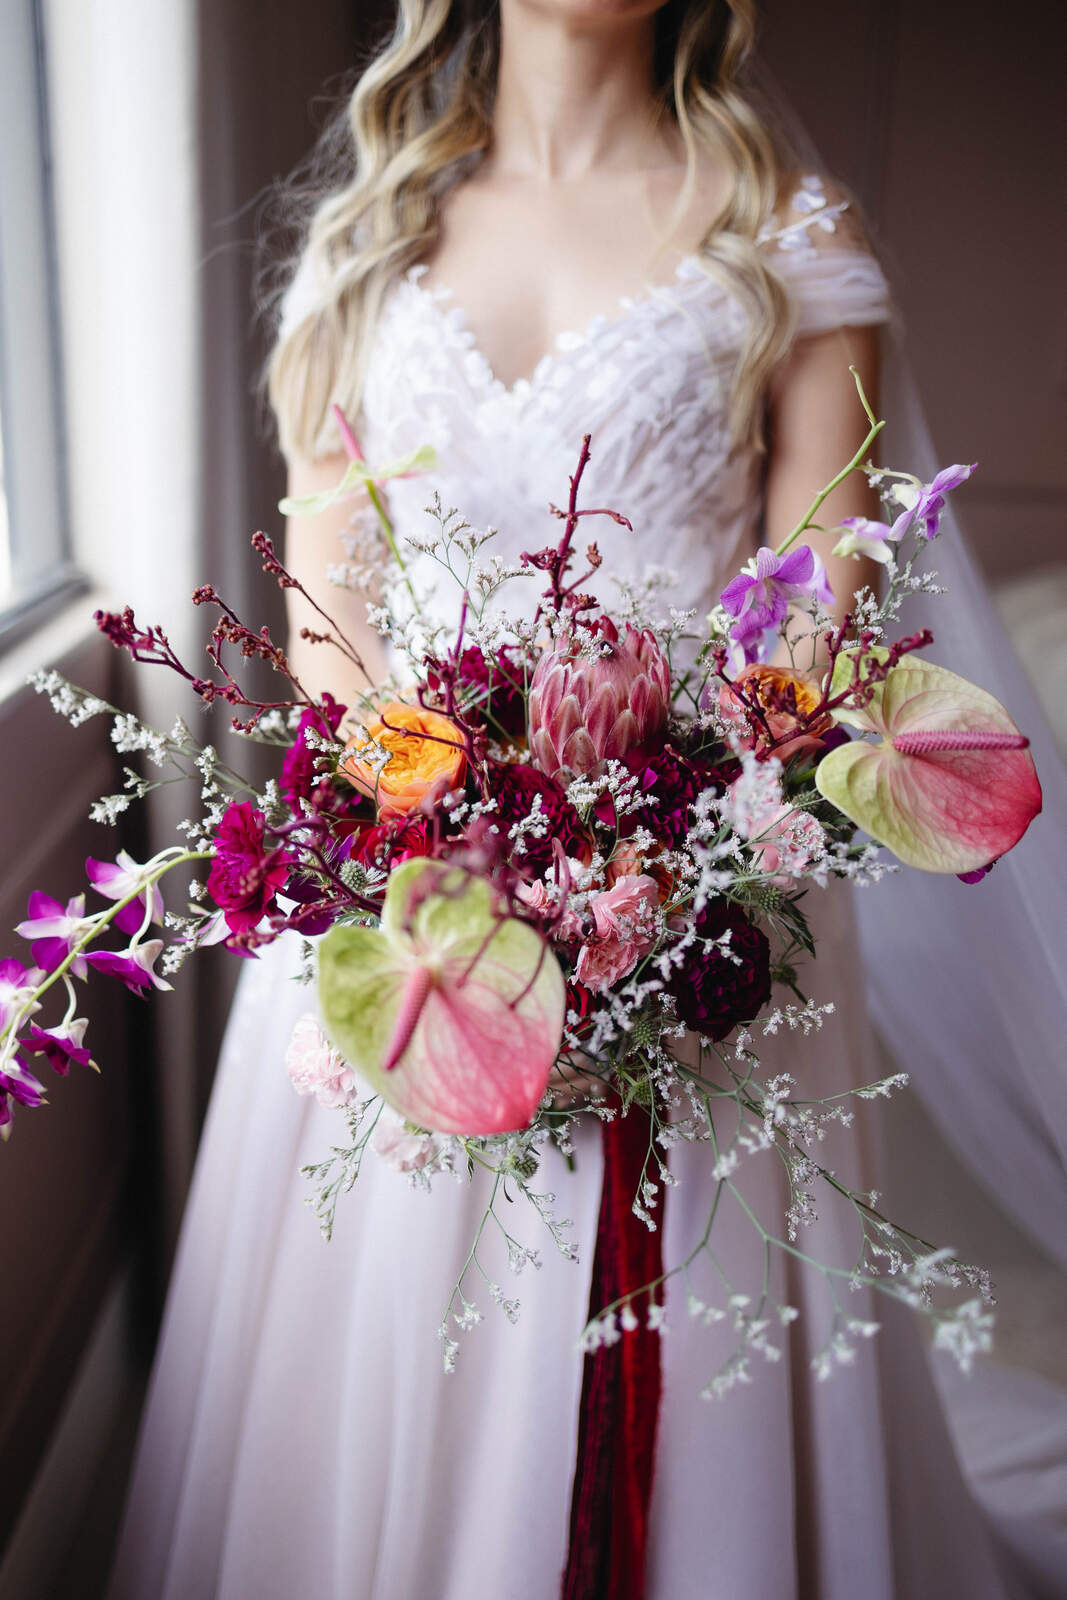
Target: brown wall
948, 120
64, 1169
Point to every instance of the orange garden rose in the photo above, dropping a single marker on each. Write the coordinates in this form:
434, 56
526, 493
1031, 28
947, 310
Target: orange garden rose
785, 697
426, 758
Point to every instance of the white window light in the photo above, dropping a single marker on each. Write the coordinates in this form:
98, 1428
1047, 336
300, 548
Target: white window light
35, 566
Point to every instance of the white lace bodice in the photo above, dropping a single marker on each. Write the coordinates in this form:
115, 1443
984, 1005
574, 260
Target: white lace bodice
648, 379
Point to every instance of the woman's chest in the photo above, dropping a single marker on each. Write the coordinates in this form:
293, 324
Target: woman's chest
649, 382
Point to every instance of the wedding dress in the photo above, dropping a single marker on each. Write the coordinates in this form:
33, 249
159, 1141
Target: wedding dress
300, 1436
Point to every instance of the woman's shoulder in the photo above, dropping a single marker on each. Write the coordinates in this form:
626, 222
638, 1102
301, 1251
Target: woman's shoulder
816, 242
813, 212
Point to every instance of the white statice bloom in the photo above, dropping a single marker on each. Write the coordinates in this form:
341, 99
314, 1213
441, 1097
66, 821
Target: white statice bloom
965, 1334
754, 793
449, 1349
66, 699
109, 808
883, 1088
510, 1308
129, 733
467, 1317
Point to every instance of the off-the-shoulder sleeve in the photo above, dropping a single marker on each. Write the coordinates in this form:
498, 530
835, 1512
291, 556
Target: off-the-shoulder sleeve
835, 289
819, 251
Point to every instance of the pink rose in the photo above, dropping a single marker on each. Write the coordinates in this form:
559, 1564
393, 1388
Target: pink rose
625, 931
315, 1067
789, 841
399, 1149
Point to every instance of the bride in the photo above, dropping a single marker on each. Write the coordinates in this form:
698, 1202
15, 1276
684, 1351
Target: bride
563, 217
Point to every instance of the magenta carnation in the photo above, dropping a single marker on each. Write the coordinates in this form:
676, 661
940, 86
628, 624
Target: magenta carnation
245, 875
714, 993
514, 786
300, 776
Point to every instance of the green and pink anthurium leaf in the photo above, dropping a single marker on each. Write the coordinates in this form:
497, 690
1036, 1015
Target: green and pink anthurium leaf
451, 1010
356, 475
950, 786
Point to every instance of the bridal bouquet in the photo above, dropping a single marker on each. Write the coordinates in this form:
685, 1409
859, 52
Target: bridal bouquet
556, 869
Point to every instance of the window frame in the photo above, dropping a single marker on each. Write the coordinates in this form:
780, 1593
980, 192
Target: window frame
43, 572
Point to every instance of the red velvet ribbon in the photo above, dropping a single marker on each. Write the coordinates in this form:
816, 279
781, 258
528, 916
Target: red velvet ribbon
620, 1388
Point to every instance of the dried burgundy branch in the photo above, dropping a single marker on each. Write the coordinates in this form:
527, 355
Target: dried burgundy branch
264, 547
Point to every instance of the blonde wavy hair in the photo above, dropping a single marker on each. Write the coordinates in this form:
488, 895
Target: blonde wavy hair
421, 115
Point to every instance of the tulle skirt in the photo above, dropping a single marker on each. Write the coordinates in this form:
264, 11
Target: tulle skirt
302, 1438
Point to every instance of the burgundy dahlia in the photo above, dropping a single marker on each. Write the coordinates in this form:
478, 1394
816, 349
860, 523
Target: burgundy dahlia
514, 786
245, 875
712, 992
584, 710
670, 783
500, 681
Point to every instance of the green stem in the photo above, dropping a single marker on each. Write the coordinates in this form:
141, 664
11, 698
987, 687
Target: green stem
875, 429
390, 537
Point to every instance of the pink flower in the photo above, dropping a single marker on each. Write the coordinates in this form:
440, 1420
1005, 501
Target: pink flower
133, 966
789, 840
315, 1067
300, 777
625, 931
115, 880
928, 502
245, 875
585, 710
760, 598
55, 931
788, 702
399, 1148
59, 1046
17, 1084
785, 840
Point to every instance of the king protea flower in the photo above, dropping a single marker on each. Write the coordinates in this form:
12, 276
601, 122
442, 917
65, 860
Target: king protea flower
584, 709
451, 1010
950, 786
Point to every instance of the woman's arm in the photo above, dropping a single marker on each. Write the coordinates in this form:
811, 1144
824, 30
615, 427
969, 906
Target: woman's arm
312, 546
816, 425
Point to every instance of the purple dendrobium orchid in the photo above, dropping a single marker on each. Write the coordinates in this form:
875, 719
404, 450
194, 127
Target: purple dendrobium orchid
17, 984
979, 872
760, 600
59, 1046
16, 1083
55, 931
820, 581
929, 501
115, 880
866, 537
133, 966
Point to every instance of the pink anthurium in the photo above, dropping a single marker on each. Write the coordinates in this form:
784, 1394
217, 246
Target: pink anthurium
451, 1010
950, 785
